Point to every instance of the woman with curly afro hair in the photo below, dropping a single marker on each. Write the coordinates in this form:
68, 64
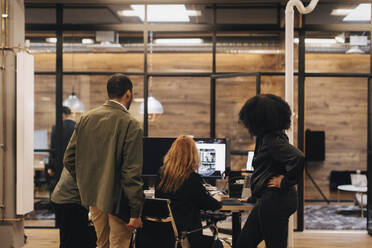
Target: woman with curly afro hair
277, 166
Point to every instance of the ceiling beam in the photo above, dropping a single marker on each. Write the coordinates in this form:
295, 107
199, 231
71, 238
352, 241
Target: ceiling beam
123, 2
155, 27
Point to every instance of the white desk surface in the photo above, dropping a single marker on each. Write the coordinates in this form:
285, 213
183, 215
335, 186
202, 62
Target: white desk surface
352, 188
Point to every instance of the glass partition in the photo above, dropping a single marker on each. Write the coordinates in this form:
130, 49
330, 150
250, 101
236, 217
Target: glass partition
186, 106
337, 106
231, 94
179, 52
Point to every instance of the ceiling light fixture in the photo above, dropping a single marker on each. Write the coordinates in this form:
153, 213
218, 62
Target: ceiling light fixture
341, 12
355, 50
189, 41
161, 12
51, 40
340, 38
87, 41
264, 51
318, 41
359, 14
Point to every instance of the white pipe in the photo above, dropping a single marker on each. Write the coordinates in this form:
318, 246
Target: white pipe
289, 26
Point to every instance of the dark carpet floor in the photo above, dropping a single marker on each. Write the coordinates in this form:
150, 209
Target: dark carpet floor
319, 217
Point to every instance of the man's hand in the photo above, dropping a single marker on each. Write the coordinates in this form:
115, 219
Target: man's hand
275, 182
134, 223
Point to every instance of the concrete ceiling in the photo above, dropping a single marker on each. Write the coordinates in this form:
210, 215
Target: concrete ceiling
105, 12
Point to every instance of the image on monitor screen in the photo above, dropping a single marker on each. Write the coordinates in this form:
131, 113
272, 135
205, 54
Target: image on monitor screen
212, 153
207, 161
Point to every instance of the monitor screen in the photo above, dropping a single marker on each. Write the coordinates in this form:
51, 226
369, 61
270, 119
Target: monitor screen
250, 161
154, 150
41, 141
212, 153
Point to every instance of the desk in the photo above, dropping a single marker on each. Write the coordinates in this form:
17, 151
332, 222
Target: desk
352, 188
39, 165
236, 218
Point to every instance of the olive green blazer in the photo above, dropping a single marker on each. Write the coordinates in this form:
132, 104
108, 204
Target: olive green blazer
105, 155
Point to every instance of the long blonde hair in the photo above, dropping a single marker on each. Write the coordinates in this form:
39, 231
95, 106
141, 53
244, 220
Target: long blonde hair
181, 160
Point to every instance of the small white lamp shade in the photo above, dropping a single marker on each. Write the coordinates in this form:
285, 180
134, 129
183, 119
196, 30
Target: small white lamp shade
154, 106
355, 49
74, 103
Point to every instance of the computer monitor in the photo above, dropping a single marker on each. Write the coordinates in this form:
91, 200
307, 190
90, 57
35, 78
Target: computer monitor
249, 166
154, 150
212, 153
41, 141
213, 156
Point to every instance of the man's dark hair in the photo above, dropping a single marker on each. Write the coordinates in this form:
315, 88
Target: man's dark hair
265, 113
117, 85
66, 110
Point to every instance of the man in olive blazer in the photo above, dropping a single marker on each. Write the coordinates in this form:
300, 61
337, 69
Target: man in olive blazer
105, 157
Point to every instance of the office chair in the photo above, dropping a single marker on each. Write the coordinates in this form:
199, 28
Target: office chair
159, 228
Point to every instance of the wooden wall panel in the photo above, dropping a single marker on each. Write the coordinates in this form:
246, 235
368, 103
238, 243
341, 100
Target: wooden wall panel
45, 103
341, 63
339, 107
186, 107
97, 62
231, 94
336, 105
181, 62
249, 62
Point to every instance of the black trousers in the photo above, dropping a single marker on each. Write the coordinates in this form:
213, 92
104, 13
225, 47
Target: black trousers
205, 242
72, 221
268, 220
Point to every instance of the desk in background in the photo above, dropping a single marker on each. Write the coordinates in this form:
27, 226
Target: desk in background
237, 218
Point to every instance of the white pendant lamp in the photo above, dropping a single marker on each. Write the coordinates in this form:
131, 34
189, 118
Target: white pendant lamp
355, 50
74, 103
154, 106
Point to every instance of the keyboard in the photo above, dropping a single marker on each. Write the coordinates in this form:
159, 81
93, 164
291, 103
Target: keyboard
231, 201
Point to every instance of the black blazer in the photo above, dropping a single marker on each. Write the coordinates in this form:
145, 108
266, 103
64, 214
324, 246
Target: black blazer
186, 204
67, 130
275, 156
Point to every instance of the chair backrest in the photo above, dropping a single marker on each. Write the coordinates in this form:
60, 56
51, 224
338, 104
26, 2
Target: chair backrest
156, 207
358, 180
159, 228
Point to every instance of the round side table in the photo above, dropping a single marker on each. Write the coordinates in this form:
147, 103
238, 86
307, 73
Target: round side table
352, 188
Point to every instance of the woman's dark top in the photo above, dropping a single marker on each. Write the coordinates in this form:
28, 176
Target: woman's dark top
274, 156
186, 204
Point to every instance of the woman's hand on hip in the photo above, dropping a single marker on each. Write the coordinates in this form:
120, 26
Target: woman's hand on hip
275, 182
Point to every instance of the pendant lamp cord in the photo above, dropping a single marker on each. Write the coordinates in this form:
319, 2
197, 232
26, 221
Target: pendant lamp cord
151, 50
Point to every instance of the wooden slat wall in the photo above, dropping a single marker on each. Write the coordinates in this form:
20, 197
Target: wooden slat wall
336, 105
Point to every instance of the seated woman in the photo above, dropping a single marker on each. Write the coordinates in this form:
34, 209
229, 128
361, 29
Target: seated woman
183, 186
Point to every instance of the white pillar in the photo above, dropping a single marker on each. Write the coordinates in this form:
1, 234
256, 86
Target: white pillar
289, 33
11, 230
